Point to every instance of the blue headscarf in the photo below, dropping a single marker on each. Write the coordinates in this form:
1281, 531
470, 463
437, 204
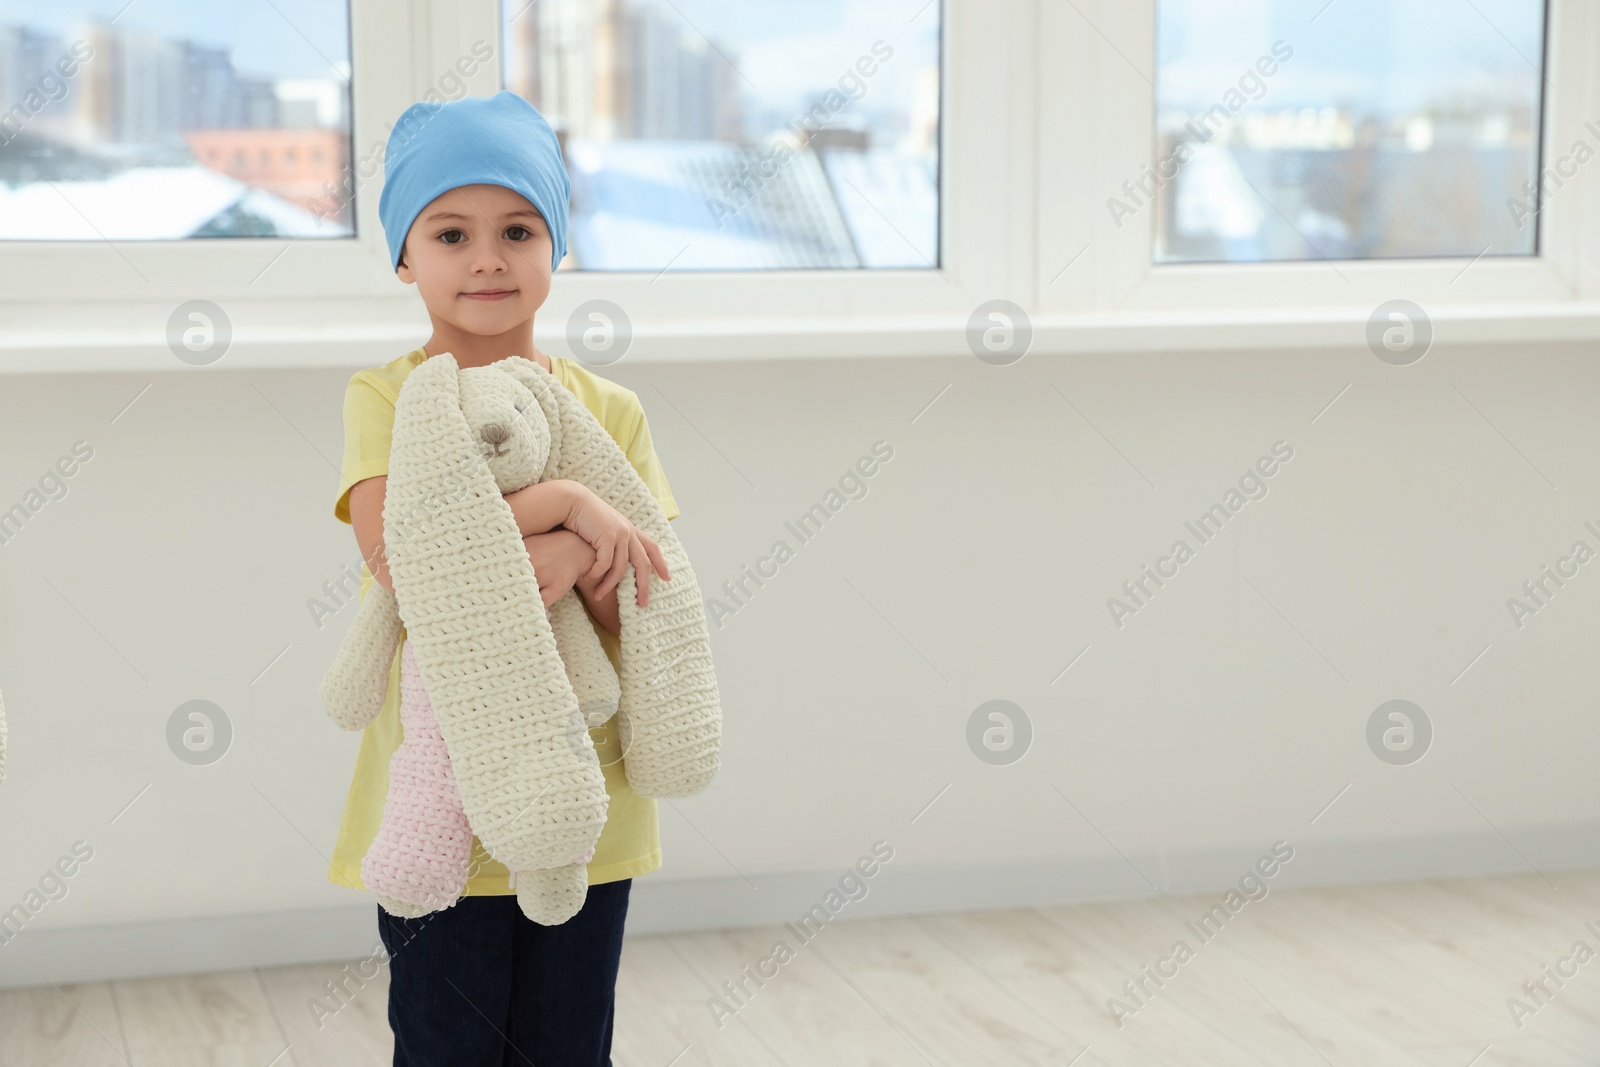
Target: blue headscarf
490, 140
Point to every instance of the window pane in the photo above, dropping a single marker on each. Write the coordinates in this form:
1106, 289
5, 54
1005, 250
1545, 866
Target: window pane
167, 119
739, 134
1356, 129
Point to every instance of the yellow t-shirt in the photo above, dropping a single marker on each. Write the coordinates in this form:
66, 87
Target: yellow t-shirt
630, 843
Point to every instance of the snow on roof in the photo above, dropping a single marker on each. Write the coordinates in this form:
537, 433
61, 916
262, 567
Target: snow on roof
141, 204
891, 204
642, 205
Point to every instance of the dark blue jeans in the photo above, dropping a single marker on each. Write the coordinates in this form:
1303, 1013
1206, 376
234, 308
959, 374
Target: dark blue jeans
479, 984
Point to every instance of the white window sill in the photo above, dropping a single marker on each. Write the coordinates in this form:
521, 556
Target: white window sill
353, 346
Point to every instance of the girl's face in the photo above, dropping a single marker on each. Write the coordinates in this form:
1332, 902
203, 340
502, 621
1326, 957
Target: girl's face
480, 257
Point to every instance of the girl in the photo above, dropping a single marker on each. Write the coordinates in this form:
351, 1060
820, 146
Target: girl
474, 210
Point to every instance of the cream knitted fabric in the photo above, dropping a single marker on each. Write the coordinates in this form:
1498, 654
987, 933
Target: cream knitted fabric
529, 778
2, 739
417, 863
421, 856
355, 686
670, 715
526, 768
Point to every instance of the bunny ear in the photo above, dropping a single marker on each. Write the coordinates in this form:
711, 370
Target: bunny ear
669, 693
473, 613
429, 404
669, 708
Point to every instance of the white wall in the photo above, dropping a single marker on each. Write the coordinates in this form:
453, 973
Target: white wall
1224, 716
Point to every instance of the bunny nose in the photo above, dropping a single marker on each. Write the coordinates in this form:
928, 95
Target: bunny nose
495, 433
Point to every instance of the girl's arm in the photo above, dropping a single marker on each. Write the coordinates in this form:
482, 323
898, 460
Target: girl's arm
540, 507
546, 506
542, 510
604, 609
366, 518
539, 516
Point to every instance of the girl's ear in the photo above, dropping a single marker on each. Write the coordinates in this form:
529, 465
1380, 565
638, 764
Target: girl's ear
405, 272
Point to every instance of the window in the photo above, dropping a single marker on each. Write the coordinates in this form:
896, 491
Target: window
1368, 129
1008, 153
162, 119
759, 135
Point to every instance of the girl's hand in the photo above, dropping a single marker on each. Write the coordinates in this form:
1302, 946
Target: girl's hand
559, 559
616, 543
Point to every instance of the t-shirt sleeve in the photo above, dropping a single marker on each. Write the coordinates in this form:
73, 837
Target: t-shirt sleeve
368, 426
642, 454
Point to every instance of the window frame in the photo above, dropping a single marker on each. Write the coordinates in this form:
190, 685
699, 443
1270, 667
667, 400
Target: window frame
135, 272
1088, 267
1041, 119
339, 303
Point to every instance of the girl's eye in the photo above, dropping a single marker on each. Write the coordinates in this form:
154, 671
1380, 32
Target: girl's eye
513, 231
446, 237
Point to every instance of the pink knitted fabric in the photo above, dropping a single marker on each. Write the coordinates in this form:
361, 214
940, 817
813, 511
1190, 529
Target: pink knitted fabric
424, 844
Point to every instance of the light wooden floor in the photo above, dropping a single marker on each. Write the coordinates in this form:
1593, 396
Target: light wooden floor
1416, 974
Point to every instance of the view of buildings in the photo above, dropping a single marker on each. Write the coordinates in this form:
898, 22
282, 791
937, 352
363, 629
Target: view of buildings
746, 139
676, 154
154, 136
677, 158
1389, 129
612, 69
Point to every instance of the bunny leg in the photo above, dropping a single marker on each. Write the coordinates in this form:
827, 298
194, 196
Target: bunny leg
424, 845
552, 896
593, 678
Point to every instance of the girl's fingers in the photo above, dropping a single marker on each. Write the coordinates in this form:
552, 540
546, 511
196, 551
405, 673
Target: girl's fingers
611, 575
641, 573
619, 567
611, 559
604, 553
657, 558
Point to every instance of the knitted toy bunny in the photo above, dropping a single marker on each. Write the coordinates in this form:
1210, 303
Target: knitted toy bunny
419, 860
511, 686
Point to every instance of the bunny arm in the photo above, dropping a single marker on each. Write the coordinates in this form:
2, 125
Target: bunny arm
354, 688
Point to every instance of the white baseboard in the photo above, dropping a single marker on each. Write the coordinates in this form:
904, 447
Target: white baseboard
661, 905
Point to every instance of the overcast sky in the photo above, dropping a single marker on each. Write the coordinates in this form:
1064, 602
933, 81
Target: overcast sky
1386, 56
784, 50
1377, 55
